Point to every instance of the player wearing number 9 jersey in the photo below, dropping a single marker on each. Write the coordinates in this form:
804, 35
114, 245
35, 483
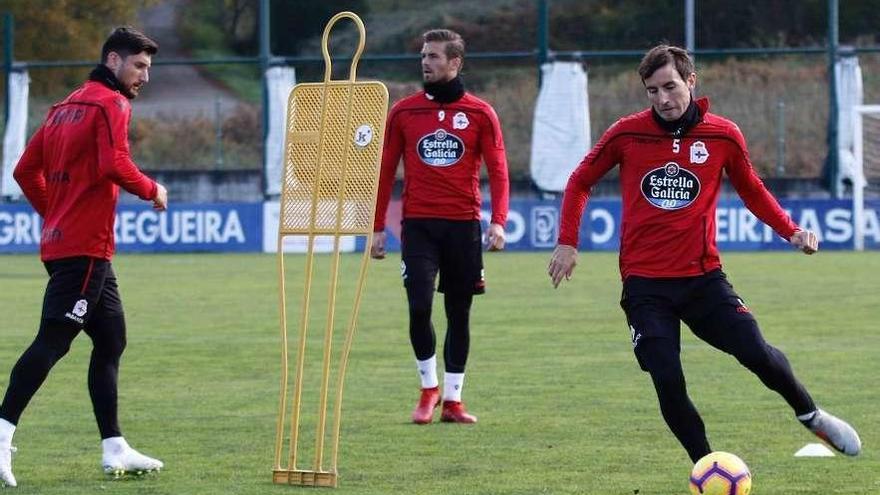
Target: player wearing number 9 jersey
443, 134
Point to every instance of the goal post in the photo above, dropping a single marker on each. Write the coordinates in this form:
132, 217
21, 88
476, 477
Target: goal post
865, 168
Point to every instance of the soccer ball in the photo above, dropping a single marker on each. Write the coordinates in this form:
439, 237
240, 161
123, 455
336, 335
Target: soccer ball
720, 473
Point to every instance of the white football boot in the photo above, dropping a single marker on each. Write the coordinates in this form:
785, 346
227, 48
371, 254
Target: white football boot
835, 431
6, 476
120, 459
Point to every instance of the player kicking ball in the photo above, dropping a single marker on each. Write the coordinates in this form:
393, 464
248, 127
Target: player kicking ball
672, 157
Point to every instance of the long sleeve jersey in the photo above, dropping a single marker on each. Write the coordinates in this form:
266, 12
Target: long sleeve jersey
72, 168
443, 145
670, 189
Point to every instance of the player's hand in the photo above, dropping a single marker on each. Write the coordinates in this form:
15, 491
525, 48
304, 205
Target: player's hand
562, 264
160, 202
377, 249
805, 240
495, 237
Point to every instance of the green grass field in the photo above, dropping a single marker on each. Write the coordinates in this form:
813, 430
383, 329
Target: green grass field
563, 407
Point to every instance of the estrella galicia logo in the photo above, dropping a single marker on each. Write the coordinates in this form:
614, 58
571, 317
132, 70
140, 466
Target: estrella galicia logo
440, 149
670, 187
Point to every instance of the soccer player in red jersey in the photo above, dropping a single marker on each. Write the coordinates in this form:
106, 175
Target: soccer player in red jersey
671, 159
70, 172
443, 134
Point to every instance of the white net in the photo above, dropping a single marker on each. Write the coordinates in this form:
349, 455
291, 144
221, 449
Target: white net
871, 149
865, 165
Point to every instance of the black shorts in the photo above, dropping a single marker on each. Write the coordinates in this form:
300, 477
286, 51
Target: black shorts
80, 289
655, 307
452, 247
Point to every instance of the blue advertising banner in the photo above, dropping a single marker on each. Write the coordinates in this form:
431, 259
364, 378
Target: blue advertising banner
534, 225
531, 225
190, 227
19, 229
138, 228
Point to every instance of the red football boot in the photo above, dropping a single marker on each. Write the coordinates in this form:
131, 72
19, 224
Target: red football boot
424, 411
454, 412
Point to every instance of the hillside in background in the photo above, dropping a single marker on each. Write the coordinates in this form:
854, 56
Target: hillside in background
780, 101
505, 25
775, 99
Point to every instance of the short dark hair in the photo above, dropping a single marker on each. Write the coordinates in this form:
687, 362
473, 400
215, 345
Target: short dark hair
661, 55
125, 41
453, 42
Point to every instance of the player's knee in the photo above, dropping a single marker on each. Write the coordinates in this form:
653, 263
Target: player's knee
119, 345
111, 348
58, 348
458, 301
46, 354
420, 298
764, 359
53, 340
661, 360
420, 306
419, 310
751, 350
756, 357
458, 311
109, 339
667, 378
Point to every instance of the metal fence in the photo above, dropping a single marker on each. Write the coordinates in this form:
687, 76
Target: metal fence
186, 122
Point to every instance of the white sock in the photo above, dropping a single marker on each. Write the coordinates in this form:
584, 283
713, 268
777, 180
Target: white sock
114, 445
452, 385
806, 418
428, 371
7, 429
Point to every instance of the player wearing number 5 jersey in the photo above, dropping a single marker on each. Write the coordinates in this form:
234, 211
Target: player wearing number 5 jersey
672, 157
443, 134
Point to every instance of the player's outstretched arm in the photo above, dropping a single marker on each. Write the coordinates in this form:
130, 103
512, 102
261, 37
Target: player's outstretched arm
805, 240
377, 248
495, 237
562, 263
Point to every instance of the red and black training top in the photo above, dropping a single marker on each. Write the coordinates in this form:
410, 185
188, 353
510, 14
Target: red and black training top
670, 189
443, 145
72, 168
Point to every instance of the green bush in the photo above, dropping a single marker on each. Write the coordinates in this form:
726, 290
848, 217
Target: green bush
192, 143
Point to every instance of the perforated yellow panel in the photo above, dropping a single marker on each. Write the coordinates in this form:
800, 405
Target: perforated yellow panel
334, 142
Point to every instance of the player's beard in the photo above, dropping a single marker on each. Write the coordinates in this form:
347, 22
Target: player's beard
126, 88
103, 74
127, 92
